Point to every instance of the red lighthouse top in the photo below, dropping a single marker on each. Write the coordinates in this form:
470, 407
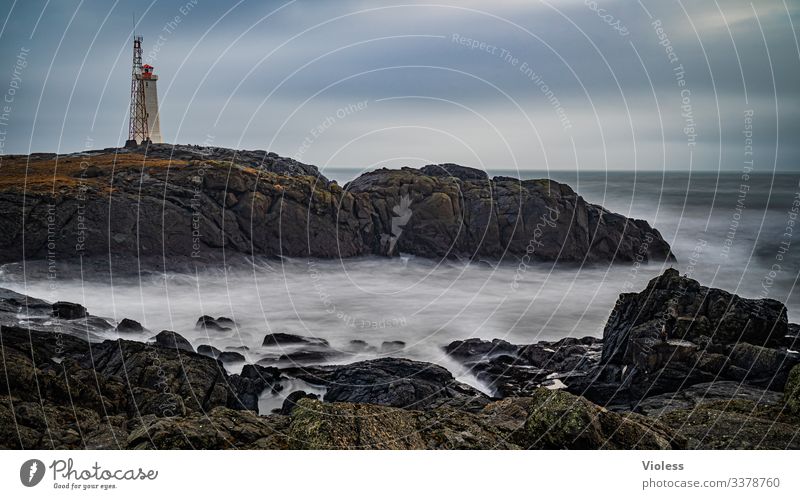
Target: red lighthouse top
147, 71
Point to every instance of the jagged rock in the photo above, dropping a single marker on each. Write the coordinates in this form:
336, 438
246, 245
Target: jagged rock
518, 370
221, 428
291, 400
704, 393
398, 383
208, 351
129, 326
735, 424
248, 386
280, 339
554, 419
254, 203
716, 336
474, 348
208, 323
171, 339
451, 211
68, 311
635, 323
792, 391
161, 369
453, 170
230, 357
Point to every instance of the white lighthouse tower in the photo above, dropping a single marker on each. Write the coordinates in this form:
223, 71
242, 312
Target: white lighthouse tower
144, 126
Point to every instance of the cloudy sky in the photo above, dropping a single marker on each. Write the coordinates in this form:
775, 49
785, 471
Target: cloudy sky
559, 84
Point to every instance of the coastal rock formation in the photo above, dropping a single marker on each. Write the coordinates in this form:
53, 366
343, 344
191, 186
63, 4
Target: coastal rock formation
448, 210
198, 200
519, 370
676, 333
61, 391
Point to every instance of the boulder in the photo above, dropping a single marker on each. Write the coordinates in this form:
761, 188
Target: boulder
280, 339
399, 383
129, 326
208, 351
554, 419
68, 311
171, 339
208, 323
291, 400
791, 392
247, 387
230, 357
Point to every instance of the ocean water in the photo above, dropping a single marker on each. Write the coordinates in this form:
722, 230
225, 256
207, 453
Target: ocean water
721, 237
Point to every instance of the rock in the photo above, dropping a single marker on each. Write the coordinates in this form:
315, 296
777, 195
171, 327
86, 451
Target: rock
791, 392
447, 211
734, 424
308, 356
255, 204
358, 345
474, 347
208, 351
704, 393
315, 425
171, 339
453, 170
716, 336
291, 400
208, 323
129, 326
248, 386
230, 357
221, 428
399, 383
553, 419
518, 370
635, 323
226, 322
237, 348
280, 339
68, 311
160, 369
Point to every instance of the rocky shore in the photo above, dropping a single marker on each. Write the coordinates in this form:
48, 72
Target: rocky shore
165, 205
679, 366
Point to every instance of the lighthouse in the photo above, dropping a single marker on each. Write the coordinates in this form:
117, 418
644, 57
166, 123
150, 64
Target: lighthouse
144, 125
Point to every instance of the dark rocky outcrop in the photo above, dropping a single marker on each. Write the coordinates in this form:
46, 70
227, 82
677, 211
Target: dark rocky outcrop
253, 202
677, 333
518, 370
230, 357
208, 323
60, 391
281, 339
248, 386
69, 311
399, 383
129, 326
208, 351
291, 400
171, 339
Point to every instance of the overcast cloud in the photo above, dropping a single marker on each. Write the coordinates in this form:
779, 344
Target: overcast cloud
585, 84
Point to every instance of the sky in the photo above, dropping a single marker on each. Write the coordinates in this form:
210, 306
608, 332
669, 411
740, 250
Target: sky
644, 85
